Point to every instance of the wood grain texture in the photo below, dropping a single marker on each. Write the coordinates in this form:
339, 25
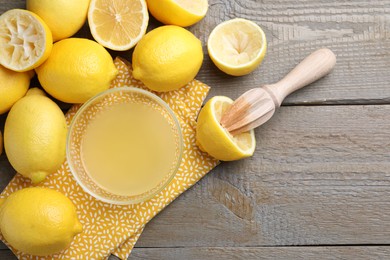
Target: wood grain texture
264, 253
251, 253
6, 5
6, 170
253, 108
320, 173
357, 31
7, 255
319, 176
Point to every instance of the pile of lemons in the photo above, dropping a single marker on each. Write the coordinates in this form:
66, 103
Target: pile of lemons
37, 42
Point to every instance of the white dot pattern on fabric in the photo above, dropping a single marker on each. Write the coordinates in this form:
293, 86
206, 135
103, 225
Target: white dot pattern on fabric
113, 229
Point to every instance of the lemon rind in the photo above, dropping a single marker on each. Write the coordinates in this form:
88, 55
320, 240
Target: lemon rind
245, 153
43, 29
244, 65
199, 15
108, 44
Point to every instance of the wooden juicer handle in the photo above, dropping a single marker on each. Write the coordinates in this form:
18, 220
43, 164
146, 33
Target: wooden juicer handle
256, 106
313, 67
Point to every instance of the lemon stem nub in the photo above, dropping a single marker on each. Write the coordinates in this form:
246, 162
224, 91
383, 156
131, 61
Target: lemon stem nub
78, 228
37, 177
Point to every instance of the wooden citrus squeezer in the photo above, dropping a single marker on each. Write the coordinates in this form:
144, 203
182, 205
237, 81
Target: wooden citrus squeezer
257, 106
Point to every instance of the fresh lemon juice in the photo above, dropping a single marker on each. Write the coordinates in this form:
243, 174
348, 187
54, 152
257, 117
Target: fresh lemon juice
129, 148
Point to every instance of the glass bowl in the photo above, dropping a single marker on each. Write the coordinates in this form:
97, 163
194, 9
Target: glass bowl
88, 112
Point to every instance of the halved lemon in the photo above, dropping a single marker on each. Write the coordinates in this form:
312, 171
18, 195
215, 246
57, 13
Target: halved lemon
118, 24
25, 40
237, 47
214, 139
178, 12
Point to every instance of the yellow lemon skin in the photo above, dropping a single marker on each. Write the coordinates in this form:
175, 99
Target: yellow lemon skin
63, 17
212, 138
169, 12
35, 137
38, 221
167, 58
237, 47
13, 86
76, 70
35, 91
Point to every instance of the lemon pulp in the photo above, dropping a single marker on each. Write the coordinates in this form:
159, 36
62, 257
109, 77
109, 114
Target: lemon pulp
129, 148
244, 141
237, 47
25, 40
214, 139
118, 24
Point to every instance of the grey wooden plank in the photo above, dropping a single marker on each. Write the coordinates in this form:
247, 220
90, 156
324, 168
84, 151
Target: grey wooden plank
6, 170
6, 5
249, 253
319, 176
7, 255
265, 253
3, 246
6, 174
358, 32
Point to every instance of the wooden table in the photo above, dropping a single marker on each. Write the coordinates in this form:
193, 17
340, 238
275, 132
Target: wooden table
318, 186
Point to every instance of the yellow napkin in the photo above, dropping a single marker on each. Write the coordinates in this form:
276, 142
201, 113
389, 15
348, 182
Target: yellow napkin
112, 229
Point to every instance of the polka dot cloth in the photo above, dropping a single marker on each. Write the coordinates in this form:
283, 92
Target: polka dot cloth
112, 229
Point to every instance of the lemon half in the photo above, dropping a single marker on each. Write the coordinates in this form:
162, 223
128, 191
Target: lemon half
118, 25
237, 47
25, 40
216, 140
178, 12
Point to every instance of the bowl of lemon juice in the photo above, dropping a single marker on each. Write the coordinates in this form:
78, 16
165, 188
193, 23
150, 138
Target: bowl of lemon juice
124, 145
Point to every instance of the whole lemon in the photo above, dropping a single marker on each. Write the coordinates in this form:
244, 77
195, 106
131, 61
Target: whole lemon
38, 221
76, 70
35, 137
64, 17
167, 58
13, 86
